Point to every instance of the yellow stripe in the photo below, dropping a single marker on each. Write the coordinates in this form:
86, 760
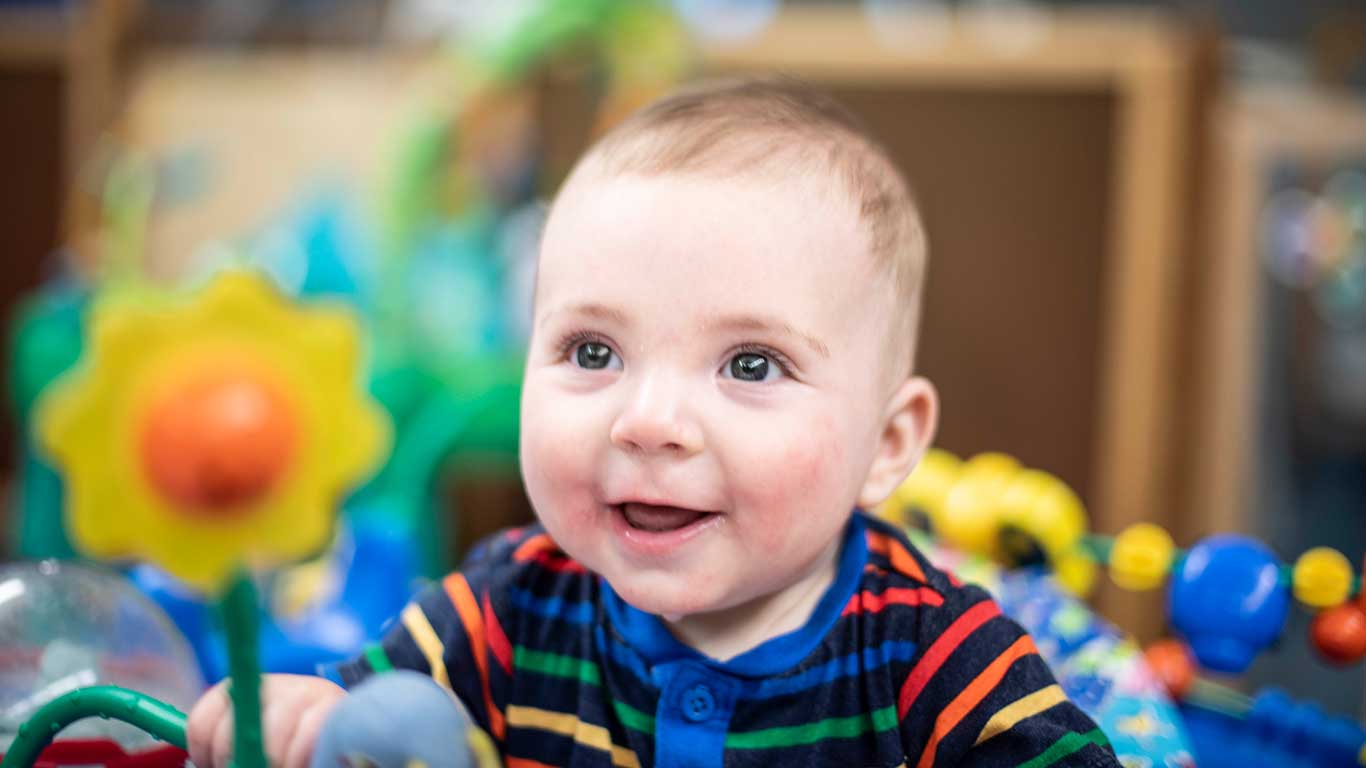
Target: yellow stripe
425, 637
1031, 705
566, 724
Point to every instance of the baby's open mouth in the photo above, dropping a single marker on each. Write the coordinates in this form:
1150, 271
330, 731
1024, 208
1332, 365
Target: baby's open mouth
656, 519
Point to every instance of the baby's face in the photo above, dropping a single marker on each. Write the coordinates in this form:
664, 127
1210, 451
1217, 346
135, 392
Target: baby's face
706, 383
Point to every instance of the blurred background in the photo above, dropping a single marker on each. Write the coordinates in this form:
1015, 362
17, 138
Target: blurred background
1147, 223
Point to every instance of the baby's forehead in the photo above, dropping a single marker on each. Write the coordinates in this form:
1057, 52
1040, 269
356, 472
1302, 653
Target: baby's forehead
742, 225
801, 195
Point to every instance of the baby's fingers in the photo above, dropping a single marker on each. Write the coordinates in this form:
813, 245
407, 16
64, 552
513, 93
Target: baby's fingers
280, 716
203, 723
300, 752
220, 749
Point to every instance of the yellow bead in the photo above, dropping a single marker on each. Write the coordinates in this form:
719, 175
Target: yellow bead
1076, 573
991, 467
969, 521
1141, 557
924, 491
1322, 578
1046, 511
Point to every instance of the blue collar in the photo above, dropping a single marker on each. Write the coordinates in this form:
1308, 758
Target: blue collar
648, 635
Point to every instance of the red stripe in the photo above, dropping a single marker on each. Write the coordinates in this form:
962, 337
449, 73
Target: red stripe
872, 602
558, 562
940, 651
498, 639
543, 551
522, 762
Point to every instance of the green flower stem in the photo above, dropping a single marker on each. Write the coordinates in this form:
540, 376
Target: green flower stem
161, 720
239, 611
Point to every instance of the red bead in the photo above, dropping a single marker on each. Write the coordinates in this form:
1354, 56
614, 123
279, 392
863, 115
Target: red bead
1171, 661
1339, 634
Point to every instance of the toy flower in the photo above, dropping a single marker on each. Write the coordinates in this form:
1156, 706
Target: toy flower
212, 432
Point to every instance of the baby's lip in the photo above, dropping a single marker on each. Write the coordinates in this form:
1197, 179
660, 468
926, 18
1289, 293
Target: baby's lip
663, 502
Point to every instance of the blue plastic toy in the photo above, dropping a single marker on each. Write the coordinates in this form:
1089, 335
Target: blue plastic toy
1227, 600
378, 572
1275, 731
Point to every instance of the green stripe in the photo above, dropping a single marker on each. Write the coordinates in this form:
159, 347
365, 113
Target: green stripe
379, 662
1067, 745
633, 718
830, 728
556, 665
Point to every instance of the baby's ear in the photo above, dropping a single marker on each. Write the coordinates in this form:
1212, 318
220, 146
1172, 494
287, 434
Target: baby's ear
908, 425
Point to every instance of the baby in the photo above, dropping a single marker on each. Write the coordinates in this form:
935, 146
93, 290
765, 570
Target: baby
719, 379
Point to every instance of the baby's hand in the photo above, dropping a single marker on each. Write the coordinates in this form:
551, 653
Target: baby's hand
293, 710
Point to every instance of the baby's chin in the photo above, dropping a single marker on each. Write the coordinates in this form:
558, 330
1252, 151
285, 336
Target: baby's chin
669, 597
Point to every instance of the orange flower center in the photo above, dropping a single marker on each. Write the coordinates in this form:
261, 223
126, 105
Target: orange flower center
218, 443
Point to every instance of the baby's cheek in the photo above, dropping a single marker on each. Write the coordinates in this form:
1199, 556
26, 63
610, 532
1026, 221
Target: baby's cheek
801, 485
556, 464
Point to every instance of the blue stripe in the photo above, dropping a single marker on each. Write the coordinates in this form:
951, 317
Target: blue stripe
575, 612
845, 666
622, 655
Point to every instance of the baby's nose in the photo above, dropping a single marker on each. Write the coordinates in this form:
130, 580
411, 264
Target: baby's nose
657, 420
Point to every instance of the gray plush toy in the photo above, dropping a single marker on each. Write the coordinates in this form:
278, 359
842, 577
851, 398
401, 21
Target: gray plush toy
401, 719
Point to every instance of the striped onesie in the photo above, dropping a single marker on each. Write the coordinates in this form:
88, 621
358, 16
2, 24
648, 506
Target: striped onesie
899, 665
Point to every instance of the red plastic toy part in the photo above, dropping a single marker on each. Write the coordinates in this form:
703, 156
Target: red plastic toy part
1172, 663
104, 752
1339, 634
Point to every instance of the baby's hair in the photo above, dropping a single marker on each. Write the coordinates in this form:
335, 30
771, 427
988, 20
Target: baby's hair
774, 126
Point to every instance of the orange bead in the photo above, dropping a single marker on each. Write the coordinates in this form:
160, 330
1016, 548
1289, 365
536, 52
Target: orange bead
1171, 661
1339, 634
215, 444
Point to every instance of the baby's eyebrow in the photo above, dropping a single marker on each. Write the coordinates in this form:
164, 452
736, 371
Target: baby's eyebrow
591, 309
771, 325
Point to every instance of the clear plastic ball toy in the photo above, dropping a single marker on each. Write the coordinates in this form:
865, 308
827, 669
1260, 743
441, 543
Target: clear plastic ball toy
66, 625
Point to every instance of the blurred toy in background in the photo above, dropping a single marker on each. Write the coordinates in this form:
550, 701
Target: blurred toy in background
1228, 599
212, 433
990, 505
209, 421
239, 407
315, 613
1312, 238
437, 275
65, 626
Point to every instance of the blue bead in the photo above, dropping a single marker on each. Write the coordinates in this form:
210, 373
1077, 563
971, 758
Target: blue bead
1227, 600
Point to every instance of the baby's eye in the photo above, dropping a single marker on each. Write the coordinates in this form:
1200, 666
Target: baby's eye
595, 355
752, 366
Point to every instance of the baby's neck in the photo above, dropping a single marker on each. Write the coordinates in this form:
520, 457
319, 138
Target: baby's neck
725, 634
